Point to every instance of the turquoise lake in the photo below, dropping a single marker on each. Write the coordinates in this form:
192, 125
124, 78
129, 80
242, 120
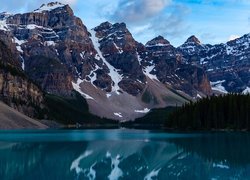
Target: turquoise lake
123, 154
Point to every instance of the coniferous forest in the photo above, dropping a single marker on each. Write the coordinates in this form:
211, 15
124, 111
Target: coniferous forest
231, 111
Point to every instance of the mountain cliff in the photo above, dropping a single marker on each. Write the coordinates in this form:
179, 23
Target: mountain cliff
227, 65
16, 89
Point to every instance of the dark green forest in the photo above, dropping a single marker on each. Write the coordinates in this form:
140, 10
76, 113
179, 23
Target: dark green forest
154, 119
231, 111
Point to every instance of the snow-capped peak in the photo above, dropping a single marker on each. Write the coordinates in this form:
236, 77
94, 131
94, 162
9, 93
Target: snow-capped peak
4, 15
49, 7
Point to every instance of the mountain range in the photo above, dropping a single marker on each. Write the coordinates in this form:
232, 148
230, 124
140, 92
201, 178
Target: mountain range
51, 51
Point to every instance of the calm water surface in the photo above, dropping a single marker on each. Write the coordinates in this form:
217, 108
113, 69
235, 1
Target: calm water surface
123, 154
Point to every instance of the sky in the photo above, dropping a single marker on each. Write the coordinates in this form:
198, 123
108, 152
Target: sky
212, 21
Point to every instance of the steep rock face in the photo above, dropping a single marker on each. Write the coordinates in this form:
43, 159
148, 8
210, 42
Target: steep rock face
53, 32
49, 74
15, 89
20, 93
191, 48
7, 57
227, 65
166, 63
120, 50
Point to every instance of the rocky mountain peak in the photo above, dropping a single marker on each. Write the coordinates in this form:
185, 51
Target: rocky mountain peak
103, 26
118, 48
115, 33
4, 15
108, 28
193, 39
49, 7
192, 46
158, 41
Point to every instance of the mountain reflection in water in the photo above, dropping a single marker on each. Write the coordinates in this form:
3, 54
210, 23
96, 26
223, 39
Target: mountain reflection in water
123, 154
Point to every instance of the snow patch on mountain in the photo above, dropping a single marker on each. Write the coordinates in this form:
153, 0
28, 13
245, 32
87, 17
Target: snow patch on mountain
157, 45
229, 50
49, 43
33, 26
120, 51
146, 110
93, 76
3, 25
18, 44
217, 86
49, 7
22, 61
118, 114
147, 71
246, 91
77, 87
113, 73
139, 58
82, 54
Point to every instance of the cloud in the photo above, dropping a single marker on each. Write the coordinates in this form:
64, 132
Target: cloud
207, 36
70, 2
233, 37
137, 11
27, 5
155, 17
140, 29
171, 24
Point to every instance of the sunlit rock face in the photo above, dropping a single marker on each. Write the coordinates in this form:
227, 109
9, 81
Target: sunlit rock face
169, 66
227, 65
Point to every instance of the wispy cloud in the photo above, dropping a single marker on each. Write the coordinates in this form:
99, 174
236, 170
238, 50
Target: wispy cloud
172, 23
233, 37
138, 11
156, 17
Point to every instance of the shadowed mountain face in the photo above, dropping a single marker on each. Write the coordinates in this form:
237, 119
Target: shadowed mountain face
16, 89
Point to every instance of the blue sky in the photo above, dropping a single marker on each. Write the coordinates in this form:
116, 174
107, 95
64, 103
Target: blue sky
212, 21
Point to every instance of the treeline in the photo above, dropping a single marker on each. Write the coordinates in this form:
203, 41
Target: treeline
231, 111
155, 119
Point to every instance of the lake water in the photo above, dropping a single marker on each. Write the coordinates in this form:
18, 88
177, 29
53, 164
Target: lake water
123, 154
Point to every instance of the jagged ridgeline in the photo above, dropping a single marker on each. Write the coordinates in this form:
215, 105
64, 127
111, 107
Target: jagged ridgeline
119, 77
217, 112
